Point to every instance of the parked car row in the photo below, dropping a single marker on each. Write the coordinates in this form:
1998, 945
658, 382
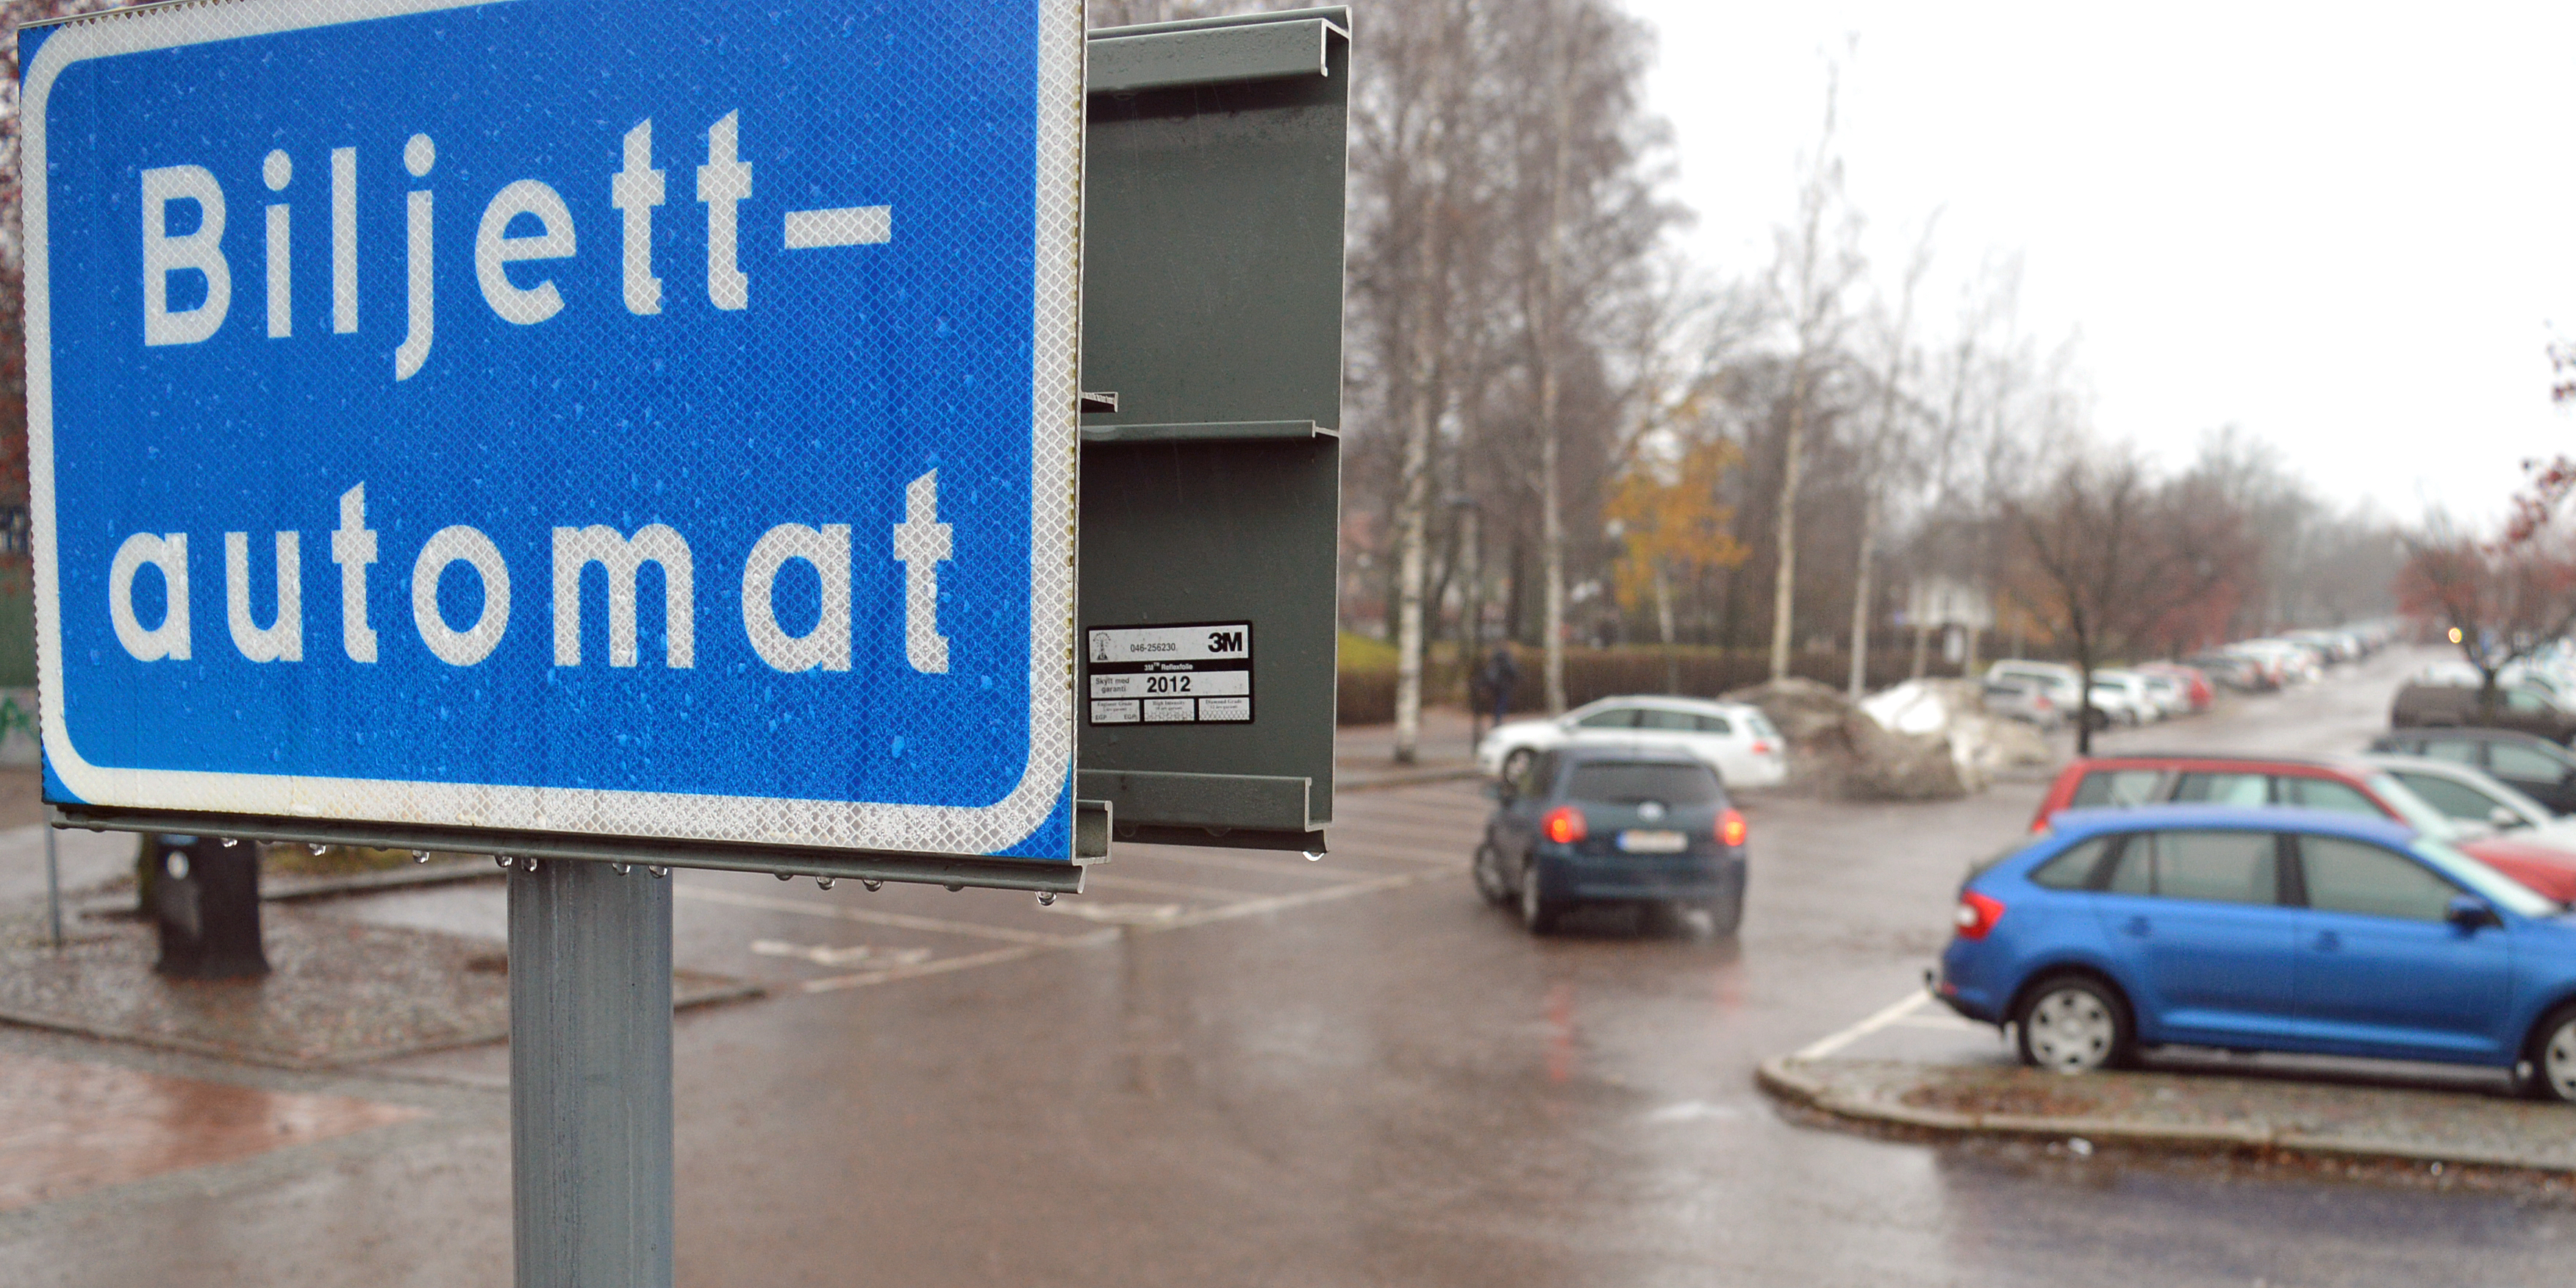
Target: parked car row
2049, 694
2535, 696
2410, 902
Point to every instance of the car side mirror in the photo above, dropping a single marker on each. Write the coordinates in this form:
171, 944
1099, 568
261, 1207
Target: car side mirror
2468, 912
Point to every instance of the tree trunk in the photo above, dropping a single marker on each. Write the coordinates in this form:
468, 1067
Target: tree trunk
2084, 700
1860, 600
1784, 583
1551, 515
1664, 623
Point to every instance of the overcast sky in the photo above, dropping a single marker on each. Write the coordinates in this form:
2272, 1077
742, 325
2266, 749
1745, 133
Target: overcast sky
2345, 229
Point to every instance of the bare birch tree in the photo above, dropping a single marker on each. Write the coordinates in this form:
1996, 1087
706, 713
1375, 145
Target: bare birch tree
1817, 263
1881, 452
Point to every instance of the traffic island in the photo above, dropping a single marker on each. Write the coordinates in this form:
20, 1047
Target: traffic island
339, 992
2328, 1122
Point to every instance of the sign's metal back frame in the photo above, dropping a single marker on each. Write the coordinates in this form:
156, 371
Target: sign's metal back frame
1214, 169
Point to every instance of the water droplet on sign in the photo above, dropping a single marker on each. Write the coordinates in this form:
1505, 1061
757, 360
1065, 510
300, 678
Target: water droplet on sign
1314, 856
622, 868
873, 886
658, 873
532, 864
955, 888
785, 876
502, 859
317, 849
230, 842
1046, 898
420, 856
823, 883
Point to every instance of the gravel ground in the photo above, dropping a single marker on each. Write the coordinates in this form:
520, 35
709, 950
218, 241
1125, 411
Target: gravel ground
339, 991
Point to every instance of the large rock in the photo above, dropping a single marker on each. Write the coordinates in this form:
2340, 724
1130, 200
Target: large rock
1804, 711
1932, 740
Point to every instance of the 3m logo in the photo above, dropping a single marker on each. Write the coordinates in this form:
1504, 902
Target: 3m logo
1225, 641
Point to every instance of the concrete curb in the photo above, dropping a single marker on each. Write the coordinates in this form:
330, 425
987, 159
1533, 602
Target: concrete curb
1780, 1077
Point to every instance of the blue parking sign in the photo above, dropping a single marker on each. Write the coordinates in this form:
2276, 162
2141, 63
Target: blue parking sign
599, 417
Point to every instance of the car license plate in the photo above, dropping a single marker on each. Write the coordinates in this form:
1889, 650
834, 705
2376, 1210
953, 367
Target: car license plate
1653, 842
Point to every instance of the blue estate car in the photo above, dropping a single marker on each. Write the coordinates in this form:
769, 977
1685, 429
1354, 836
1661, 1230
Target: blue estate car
1608, 823
2263, 929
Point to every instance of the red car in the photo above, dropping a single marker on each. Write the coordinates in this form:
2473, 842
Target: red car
2195, 684
2351, 786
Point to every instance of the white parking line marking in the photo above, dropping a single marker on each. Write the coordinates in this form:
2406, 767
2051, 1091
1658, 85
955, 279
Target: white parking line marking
823, 955
1104, 881
1279, 903
1885, 1016
898, 920
940, 967
1299, 868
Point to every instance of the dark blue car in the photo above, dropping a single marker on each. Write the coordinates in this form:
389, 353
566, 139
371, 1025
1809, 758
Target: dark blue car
1609, 823
2263, 929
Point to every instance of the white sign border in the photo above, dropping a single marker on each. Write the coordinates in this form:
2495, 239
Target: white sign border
931, 829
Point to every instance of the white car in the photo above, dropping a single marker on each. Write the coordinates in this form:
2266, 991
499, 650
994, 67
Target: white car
2062, 683
1732, 737
2124, 697
2171, 696
2474, 799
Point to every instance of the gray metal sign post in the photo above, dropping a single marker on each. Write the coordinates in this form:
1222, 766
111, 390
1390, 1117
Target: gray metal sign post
590, 1074
53, 890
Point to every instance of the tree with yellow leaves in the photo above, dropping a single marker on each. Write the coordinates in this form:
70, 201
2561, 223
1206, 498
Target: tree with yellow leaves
1670, 525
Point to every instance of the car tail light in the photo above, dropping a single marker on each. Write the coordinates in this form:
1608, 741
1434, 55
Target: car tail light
1564, 825
1762, 749
1730, 828
2039, 824
1977, 914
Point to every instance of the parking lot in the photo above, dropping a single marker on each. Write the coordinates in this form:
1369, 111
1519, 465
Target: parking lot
1239, 1067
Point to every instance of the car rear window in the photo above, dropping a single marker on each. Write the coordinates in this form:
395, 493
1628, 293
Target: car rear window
2213, 867
2522, 762
2116, 787
2224, 789
2072, 870
1631, 782
2325, 793
1712, 724
2458, 800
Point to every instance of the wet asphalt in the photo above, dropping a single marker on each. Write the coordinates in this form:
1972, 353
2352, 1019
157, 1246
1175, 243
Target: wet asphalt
1240, 1070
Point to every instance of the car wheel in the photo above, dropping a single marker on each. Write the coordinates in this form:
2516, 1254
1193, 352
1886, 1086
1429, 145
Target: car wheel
1538, 912
2073, 1024
1725, 915
1488, 871
1517, 763
2553, 1057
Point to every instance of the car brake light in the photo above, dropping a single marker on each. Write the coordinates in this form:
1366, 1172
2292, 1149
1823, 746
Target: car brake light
1977, 914
1564, 825
2039, 824
1730, 828
1762, 749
